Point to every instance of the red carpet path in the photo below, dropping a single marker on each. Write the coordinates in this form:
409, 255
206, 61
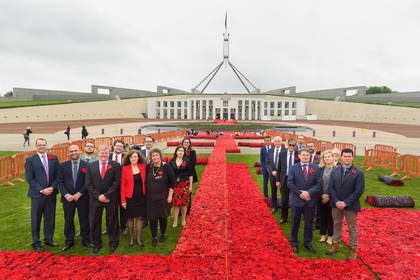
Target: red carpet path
221, 240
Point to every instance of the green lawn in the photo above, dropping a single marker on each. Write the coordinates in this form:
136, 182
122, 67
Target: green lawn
372, 187
9, 153
15, 217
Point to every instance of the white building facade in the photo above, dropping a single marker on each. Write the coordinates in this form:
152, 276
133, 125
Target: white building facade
238, 107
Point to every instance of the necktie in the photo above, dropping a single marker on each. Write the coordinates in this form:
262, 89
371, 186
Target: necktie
103, 170
312, 158
74, 174
44, 161
116, 157
267, 149
276, 157
305, 173
87, 159
290, 163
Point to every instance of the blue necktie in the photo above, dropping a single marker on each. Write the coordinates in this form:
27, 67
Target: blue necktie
74, 175
276, 154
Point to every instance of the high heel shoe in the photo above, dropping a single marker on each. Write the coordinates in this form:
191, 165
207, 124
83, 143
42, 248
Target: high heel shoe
140, 245
131, 245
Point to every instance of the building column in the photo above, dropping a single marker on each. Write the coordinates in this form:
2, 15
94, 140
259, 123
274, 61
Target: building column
243, 110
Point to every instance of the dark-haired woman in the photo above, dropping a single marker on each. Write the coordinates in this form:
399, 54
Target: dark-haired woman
133, 192
183, 171
192, 156
160, 181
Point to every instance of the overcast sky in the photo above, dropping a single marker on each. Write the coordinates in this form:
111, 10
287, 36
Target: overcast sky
71, 45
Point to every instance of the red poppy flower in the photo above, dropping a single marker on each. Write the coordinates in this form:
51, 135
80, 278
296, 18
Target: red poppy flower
151, 165
183, 163
353, 171
188, 154
108, 166
50, 157
160, 172
296, 158
311, 171
84, 170
315, 157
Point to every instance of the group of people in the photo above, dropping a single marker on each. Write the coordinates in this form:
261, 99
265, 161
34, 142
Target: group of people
318, 184
138, 183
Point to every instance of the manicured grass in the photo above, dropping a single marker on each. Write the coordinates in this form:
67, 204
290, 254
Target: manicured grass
15, 227
372, 187
9, 153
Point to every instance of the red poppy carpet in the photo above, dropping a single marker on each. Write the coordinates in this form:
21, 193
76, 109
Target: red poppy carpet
231, 233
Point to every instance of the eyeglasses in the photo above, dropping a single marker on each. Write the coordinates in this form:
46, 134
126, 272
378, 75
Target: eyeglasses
291, 145
90, 146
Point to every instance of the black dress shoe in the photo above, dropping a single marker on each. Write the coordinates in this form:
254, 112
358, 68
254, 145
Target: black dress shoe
65, 248
113, 249
295, 249
311, 249
96, 250
39, 249
282, 221
89, 245
273, 210
123, 231
154, 242
105, 232
51, 244
162, 238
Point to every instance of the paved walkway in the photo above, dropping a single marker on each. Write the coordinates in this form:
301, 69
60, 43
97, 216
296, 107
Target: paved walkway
54, 133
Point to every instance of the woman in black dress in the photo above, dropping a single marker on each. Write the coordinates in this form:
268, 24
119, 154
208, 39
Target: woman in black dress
183, 171
160, 181
192, 156
133, 192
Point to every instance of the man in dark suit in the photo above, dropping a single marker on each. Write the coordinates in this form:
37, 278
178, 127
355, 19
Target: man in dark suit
286, 160
117, 156
314, 158
41, 175
300, 140
263, 157
272, 162
346, 186
337, 156
149, 141
103, 179
304, 180
71, 180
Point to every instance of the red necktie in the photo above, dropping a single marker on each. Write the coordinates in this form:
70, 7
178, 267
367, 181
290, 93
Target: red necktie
116, 157
305, 173
103, 170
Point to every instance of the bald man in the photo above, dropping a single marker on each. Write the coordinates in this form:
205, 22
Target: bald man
71, 180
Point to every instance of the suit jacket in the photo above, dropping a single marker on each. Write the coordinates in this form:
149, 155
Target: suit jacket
269, 161
282, 166
316, 159
92, 158
65, 180
111, 156
107, 186
296, 183
263, 156
36, 177
127, 180
349, 189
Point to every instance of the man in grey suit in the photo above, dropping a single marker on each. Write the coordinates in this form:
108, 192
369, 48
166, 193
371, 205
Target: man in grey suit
88, 156
315, 159
41, 175
103, 181
149, 141
304, 181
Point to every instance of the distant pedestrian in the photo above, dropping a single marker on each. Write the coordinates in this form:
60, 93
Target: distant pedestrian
84, 132
67, 132
26, 135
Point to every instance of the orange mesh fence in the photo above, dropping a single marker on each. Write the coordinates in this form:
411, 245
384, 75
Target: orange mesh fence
384, 159
410, 165
5, 170
385, 148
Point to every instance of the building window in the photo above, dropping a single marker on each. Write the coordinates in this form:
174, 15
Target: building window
293, 104
172, 105
279, 105
271, 105
165, 104
286, 104
185, 104
157, 103
179, 103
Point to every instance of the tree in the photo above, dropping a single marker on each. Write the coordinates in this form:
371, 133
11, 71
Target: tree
374, 90
9, 94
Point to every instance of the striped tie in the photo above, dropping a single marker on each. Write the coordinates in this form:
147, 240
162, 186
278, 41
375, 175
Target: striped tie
305, 173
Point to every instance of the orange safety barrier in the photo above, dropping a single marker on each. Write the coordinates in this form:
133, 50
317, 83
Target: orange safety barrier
5, 170
385, 148
61, 145
410, 165
127, 139
78, 143
19, 165
84, 141
384, 159
318, 145
103, 141
138, 139
365, 161
342, 146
